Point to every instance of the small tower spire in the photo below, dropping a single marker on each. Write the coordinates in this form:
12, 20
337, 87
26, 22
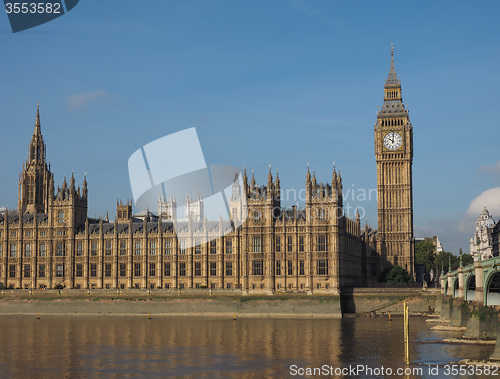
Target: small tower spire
38, 130
269, 179
392, 78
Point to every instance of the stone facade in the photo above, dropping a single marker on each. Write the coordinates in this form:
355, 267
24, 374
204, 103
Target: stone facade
484, 243
50, 242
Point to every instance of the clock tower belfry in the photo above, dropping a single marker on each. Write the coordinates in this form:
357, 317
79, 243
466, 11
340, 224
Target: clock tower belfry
394, 156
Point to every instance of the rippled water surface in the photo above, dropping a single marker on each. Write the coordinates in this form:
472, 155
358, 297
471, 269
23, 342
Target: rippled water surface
95, 347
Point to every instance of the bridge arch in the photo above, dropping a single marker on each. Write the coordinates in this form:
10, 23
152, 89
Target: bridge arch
470, 287
492, 292
455, 286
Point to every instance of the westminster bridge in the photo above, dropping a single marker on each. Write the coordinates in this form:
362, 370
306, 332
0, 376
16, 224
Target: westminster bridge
479, 282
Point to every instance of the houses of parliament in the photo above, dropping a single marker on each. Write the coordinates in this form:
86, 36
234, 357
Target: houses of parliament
50, 242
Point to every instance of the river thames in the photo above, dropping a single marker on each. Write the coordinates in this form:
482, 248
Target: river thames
193, 347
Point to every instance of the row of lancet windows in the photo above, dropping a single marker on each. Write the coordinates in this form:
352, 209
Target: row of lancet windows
153, 249
393, 122
281, 268
392, 94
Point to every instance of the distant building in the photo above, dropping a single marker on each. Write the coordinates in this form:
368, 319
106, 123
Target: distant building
438, 248
481, 244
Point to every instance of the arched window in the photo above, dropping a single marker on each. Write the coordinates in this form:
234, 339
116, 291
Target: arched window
61, 217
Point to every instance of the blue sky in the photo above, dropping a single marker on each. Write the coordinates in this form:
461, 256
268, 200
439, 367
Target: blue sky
282, 83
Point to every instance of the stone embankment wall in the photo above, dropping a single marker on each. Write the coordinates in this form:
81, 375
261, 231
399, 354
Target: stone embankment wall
218, 304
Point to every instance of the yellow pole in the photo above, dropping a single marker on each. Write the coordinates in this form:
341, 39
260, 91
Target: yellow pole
407, 333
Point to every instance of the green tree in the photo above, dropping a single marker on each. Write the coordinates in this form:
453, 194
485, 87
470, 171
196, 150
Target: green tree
443, 260
398, 274
467, 259
424, 254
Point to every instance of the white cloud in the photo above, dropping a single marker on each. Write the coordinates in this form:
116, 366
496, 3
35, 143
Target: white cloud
81, 100
493, 170
489, 199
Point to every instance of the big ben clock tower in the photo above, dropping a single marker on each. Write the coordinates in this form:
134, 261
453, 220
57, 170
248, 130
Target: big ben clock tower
394, 156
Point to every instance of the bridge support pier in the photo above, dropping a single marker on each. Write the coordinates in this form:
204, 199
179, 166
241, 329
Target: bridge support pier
460, 313
446, 307
483, 323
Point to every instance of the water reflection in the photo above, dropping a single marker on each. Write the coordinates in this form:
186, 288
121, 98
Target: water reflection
205, 347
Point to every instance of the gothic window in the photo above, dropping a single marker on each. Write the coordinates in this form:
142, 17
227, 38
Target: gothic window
137, 248
12, 271
60, 270
229, 268
79, 249
289, 268
166, 269
107, 269
213, 268
197, 269
93, 269
182, 268
322, 267
289, 244
257, 216
41, 271
301, 267
60, 249
197, 248
13, 250
123, 247
257, 268
322, 214
301, 243
93, 248
137, 269
229, 246
213, 247
109, 247
27, 271
152, 247
61, 217
27, 250
183, 247
257, 245
152, 269
79, 270
278, 268
168, 247
0, 250
278, 244
123, 269
43, 250
321, 243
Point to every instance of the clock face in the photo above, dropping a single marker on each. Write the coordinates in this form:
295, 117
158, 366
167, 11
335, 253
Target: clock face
393, 140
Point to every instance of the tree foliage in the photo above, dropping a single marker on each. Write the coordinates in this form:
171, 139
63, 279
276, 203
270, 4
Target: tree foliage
425, 254
398, 274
